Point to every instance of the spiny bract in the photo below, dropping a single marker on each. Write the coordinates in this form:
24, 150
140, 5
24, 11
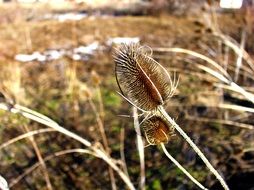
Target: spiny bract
157, 130
141, 79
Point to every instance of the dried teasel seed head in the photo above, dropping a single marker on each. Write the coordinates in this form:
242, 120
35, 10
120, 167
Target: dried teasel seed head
157, 130
141, 79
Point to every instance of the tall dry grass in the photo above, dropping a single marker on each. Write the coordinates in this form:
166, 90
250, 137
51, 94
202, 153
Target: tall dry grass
210, 69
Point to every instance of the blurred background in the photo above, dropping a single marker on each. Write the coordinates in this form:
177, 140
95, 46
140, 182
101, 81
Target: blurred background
56, 59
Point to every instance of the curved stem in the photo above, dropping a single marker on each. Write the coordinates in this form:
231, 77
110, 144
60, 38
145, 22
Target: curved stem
194, 146
182, 168
25, 135
48, 158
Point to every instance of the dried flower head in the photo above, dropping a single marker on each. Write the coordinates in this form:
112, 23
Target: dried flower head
157, 130
141, 79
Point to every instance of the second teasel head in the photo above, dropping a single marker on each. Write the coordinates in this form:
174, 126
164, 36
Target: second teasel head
157, 130
141, 79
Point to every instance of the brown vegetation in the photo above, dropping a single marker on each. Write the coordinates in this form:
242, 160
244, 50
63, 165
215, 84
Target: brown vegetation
217, 115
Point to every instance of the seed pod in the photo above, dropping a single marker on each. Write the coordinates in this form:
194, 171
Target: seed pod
141, 79
157, 130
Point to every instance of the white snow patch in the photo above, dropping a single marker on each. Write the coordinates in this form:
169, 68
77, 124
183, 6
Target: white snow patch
90, 49
29, 57
54, 54
65, 16
76, 57
120, 40
231, 4
79, 53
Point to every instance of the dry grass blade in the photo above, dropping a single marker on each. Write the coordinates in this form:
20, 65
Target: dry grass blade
104, 139
122, 154
96, 80
248, 149
220, 121
72, 135
221, 75
25, 135
240, 55
48, 158
249, 96
40, 158
230, 88
195, 54
236, 108
25, 109
236, 48
142, 79
214, 73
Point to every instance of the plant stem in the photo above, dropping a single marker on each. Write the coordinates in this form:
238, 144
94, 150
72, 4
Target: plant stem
194, 146
40, 159
104, 138
140, 147
182, 168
